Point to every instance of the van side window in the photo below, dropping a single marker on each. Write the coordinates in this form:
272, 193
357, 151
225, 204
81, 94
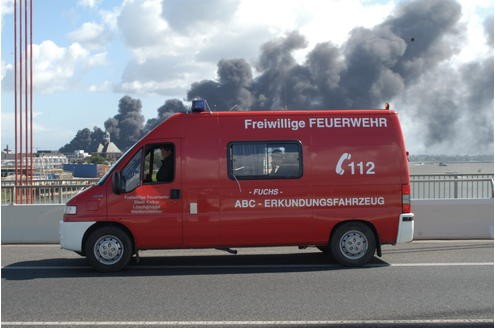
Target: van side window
265, 160
159, 163
132, 172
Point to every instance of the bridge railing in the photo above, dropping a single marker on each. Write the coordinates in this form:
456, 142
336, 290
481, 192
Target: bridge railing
44, 191
461, 186
452, 186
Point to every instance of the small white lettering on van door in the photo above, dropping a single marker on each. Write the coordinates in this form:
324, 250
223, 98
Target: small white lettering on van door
344, 164
245, 203
148, 204
265, 191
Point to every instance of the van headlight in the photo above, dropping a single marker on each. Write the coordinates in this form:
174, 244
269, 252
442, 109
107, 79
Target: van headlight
70, 209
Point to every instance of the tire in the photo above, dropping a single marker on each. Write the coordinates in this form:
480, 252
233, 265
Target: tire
108, 249
353, 244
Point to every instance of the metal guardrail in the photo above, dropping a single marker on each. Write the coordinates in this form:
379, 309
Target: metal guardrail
54, 182
45, 191
42, 194
466, 186
450, 186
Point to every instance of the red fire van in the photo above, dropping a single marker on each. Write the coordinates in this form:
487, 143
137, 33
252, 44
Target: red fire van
338, 180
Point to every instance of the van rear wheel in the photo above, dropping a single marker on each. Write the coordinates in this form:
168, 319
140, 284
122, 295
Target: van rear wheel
108, 249
353, 244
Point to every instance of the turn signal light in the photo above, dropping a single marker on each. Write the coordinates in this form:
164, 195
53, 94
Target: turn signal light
71, 210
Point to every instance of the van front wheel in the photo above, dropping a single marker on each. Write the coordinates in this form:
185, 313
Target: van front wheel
353, 244
108, 249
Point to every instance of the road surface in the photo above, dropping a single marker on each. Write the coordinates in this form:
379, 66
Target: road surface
425, 283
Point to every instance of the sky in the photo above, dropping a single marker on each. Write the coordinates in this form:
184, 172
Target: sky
88, 54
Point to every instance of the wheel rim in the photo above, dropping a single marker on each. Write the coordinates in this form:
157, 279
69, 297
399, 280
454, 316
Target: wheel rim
353, 244
108, 249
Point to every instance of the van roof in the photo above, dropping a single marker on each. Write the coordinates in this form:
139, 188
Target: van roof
275, 112
299, 112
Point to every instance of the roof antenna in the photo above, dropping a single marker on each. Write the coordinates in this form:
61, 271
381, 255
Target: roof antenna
235, 107
208, 106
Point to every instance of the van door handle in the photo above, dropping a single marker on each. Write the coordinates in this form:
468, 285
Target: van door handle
175, 194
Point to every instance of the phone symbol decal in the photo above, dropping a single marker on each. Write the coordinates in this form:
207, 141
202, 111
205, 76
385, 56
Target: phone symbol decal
338, 169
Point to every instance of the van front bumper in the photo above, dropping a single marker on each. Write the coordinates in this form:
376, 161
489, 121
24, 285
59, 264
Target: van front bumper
72, 234
406, 228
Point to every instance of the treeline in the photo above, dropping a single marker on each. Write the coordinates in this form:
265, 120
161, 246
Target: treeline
125, 128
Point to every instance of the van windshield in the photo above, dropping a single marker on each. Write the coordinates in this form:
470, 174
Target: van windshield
112, 168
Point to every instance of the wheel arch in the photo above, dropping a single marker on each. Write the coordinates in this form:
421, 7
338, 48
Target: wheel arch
99, 225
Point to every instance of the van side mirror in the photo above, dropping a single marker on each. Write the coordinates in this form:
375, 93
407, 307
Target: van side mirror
117, 183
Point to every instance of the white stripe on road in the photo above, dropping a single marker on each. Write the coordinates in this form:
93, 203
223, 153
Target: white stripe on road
246, 323
44, 267
441, 264
281, 266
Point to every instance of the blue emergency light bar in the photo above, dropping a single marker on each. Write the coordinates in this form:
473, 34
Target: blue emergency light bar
199, 105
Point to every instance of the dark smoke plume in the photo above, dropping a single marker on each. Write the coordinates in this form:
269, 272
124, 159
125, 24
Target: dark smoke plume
372, 67
126, 127
488, 25
170, 107
232, 89
394, 60
86, 140
404, 60
280, 72
428, 27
